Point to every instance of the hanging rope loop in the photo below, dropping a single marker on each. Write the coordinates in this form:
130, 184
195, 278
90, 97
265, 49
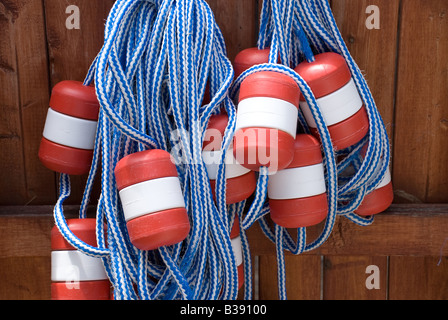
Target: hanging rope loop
159, 60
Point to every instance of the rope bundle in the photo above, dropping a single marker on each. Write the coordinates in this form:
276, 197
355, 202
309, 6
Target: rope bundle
150, 77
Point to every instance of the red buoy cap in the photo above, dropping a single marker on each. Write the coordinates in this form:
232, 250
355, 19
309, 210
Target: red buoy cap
301, 212
377, 201
240, 270
82, 290
257, 147
143, 166
83, 229
159, 229
215, 131
235, 231
238, 188
272, 85
75, 99
307, 151
326, 74
248, 58
64, 159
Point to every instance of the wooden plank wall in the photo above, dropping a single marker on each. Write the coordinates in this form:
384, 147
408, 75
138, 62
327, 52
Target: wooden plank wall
405, 63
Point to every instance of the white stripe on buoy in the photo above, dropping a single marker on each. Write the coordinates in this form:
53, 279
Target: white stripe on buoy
267, 112
335, 107
70, 131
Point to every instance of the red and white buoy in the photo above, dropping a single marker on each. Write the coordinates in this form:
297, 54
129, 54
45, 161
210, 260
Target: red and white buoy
380, 198
237, 247
75, 275
266, 121
337, 97
297, 194
70, 128
152, 199
240, 181
248, 58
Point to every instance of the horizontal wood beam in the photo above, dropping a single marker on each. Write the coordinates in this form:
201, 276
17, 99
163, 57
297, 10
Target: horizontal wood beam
408, 230
404, 229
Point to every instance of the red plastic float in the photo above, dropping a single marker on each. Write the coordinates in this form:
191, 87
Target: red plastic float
74, 275
70, 128
266, 121
297, 194
240, 181
248, 58
380, 198
337, 96
152, 199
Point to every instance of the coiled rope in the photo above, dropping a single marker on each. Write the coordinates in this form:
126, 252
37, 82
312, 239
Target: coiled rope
150, 78
295, 30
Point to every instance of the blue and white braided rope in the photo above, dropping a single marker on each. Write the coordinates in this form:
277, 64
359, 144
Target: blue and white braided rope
314, 27
150, 78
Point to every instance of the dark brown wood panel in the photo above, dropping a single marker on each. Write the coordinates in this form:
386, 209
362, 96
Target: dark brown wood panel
401, 230
303, 277
23, 104
417, 278
418, 230
375, 52
421, 153
72, 51
420, 171
25, 278
238, 23
349, 278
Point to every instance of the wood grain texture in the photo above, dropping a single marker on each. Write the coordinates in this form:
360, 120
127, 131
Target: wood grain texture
238, 21
25, 278
303, 275
420, 171
72, 51
375, 52
416, 278
23, 104
421, 153
405, 229
344, 278
401, 230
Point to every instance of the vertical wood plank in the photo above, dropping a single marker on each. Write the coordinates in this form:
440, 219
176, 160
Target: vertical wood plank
24, 101
33, 81
421, 153
375, 51
10, 129
345, 278
421, 157
238, 23
71, 51
303, 277
417, 278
